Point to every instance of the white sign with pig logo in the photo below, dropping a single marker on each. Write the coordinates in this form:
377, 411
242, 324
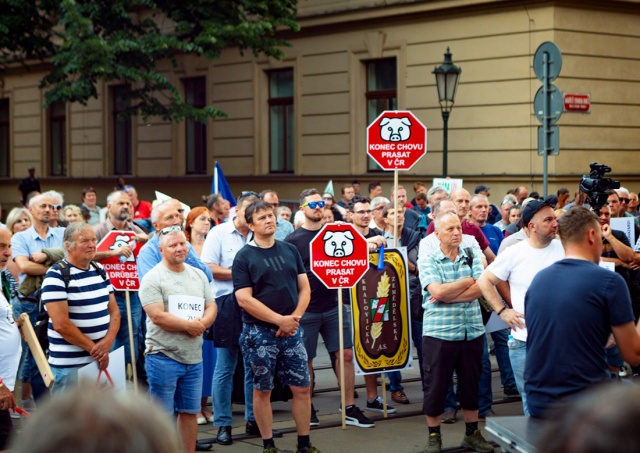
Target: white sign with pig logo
395, 129
338, 244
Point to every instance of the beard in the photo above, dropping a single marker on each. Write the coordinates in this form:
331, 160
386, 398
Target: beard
315, 216
123, 215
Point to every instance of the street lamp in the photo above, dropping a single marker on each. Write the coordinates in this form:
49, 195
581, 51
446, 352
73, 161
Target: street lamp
447, 78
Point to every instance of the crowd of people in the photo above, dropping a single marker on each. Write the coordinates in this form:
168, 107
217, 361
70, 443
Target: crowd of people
229, 289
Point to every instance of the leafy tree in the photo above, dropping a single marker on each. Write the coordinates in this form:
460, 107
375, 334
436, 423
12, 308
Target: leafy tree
87, 41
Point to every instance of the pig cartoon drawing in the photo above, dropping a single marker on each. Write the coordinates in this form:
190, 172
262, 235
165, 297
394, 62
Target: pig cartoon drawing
338, 243
395, 129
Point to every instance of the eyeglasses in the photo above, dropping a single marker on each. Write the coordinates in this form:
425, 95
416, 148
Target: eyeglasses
314, 204
170, 229
363, 212
56, 207
624, 200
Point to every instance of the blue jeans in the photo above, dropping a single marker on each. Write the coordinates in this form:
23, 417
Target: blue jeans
64, 379
174, 385
28, 370
122, 337
395, 377
222, 385
486, 393
500, 338
518, 357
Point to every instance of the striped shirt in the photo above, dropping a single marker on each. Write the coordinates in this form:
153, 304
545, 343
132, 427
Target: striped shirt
88, 298
450, 321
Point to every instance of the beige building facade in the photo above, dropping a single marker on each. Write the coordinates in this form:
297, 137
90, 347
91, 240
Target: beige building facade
301, 121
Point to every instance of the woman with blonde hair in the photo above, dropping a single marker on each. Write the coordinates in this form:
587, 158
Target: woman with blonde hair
72, 213
19, 219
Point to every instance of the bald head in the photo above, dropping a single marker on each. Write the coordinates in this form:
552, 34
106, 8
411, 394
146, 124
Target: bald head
5, 248
462, 199
167, 214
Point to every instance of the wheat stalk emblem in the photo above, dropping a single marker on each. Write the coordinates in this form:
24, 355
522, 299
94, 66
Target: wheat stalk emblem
382, 293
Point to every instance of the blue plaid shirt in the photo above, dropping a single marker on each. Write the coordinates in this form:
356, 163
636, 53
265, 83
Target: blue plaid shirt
449, 321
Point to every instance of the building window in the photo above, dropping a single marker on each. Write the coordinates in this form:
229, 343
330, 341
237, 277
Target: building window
195, 94
122, 141
57, 139
4, 137
382, 85
281, 127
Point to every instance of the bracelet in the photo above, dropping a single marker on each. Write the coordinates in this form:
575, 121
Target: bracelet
503, 309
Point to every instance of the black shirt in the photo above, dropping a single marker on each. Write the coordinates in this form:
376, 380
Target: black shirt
272, 273
322, 298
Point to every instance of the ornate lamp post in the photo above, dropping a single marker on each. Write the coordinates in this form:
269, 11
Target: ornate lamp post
447, 78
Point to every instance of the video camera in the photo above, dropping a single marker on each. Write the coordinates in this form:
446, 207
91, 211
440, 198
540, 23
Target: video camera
596, 186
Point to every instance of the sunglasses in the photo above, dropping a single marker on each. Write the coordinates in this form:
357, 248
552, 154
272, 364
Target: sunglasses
327, 198
248, 193
625, 200
170, 229
314, 204
57, 207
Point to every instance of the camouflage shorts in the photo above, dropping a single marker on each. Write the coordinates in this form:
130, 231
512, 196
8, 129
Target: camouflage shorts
267, 355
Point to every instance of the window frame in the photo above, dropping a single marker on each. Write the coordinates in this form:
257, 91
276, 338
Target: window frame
285, 102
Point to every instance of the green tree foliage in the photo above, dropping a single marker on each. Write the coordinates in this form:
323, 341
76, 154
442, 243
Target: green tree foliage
87, 41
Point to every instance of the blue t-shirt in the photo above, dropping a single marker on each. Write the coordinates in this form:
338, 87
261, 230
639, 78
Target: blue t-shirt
494, 236
569, 310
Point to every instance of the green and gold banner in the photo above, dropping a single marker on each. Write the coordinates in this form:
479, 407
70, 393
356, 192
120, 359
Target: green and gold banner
381, 321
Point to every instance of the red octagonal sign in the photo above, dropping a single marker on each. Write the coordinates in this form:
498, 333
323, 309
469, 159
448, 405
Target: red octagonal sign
339, 255
122, 271
396, 140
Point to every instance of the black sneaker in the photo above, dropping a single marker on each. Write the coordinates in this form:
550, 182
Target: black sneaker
377, 406
314, 418
355, 417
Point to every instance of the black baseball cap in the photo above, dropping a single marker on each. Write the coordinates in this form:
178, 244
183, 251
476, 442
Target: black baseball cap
534, 206
482, 189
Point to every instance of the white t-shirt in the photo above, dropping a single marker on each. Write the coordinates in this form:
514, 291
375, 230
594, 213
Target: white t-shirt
10, 345
431, 244
518, 265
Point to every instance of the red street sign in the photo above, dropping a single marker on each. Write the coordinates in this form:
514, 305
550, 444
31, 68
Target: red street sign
577, 102
396, 140
123, 274
339, 255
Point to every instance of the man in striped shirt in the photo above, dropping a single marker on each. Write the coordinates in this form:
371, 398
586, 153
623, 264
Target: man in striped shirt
84, 316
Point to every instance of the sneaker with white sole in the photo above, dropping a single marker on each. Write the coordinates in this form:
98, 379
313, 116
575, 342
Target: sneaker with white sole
355, 417
377, 406
313, 421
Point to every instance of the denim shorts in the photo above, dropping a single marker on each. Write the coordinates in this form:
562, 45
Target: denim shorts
65, 379
174, 385
267, 355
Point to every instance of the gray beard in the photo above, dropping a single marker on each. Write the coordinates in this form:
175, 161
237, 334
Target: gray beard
123, 216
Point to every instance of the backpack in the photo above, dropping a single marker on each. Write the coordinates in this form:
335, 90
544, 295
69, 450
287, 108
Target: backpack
41, 325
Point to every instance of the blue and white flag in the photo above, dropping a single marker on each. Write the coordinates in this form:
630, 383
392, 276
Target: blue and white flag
221, 186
